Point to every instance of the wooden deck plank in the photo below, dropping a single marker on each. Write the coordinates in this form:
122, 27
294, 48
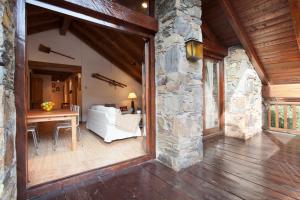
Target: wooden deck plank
264, 167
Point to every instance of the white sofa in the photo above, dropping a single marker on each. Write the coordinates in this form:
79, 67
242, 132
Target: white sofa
110, 124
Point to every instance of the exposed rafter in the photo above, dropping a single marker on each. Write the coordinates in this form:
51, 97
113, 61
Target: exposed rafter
113, 44
43, 19
244, 38
295, 13
101, 46
43, 27
133, 47
65, 25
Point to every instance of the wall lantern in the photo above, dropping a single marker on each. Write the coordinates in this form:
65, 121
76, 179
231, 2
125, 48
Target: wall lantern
194, 50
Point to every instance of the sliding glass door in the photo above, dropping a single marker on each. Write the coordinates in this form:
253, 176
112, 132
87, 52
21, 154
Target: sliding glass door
213, 103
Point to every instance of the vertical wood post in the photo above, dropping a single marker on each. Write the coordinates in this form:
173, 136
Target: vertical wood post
276, 117
294, 116
269, 116
285, 116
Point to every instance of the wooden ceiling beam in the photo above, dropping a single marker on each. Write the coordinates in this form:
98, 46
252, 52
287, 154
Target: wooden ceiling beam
45, 19
241, 33
212, 43
65, 25
108, 10
295, 13
96, 44
35, 11
43, 27
215, 48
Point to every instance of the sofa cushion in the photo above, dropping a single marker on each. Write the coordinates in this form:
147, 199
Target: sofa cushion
98, 107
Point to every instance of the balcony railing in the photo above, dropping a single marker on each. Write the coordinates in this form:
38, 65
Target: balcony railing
283, 117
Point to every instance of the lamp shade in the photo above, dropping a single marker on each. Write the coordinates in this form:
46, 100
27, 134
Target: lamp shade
132, 95
194, 50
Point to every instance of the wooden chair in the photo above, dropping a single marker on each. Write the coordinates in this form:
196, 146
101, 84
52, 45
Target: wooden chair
67, 125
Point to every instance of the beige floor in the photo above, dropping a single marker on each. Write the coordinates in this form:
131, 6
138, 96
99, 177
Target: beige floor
92, 152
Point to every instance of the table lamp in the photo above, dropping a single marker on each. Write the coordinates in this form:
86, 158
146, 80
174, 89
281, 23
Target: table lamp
132, 96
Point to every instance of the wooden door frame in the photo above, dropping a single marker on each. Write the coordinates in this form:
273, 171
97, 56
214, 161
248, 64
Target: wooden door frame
137, 27
218, 130
57, 67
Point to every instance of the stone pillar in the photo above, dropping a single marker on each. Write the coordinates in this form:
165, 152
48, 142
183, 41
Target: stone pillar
8, 188
243, 99
179, 92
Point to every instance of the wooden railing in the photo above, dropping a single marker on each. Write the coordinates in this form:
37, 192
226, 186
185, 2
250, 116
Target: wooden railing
283, 116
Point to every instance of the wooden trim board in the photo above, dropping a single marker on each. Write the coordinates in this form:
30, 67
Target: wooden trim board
53, 66
220, 128
281, 91
122, 18
94, 17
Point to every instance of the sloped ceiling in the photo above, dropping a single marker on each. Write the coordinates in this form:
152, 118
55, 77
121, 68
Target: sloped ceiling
269, 25
123, 50
270, 28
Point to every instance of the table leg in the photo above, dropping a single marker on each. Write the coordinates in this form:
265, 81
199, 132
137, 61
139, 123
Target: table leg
74, 133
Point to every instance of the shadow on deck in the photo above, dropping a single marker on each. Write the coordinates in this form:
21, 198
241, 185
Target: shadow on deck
264, 167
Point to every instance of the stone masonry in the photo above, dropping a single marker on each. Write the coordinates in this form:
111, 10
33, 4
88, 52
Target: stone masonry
178, 84
243, 99
8, 188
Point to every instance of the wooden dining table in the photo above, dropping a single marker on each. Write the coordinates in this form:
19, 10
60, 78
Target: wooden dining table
35, 116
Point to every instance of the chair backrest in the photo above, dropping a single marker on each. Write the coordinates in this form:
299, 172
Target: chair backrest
72, 107
77, 109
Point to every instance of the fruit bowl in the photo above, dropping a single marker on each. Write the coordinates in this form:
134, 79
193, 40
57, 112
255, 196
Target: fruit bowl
47, 106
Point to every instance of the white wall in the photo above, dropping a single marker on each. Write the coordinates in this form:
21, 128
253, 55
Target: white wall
93, 91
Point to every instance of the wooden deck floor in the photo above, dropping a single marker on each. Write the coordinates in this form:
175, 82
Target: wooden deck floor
264, 167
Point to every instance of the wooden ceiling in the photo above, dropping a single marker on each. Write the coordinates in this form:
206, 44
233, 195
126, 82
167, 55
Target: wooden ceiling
214, 17
135, 5
123, 50
268, 30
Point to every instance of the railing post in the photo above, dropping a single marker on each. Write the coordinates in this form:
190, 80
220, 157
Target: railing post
269, 116
285, 116
294, 116
276, 116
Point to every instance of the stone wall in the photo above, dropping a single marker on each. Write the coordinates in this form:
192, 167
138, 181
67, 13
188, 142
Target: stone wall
243, 99
178, 84
7, 103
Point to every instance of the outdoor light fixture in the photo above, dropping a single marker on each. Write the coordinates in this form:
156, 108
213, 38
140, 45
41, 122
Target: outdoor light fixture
194, 50
144, 5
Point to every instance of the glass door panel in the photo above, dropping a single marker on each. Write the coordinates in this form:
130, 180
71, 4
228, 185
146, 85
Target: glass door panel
211, 94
